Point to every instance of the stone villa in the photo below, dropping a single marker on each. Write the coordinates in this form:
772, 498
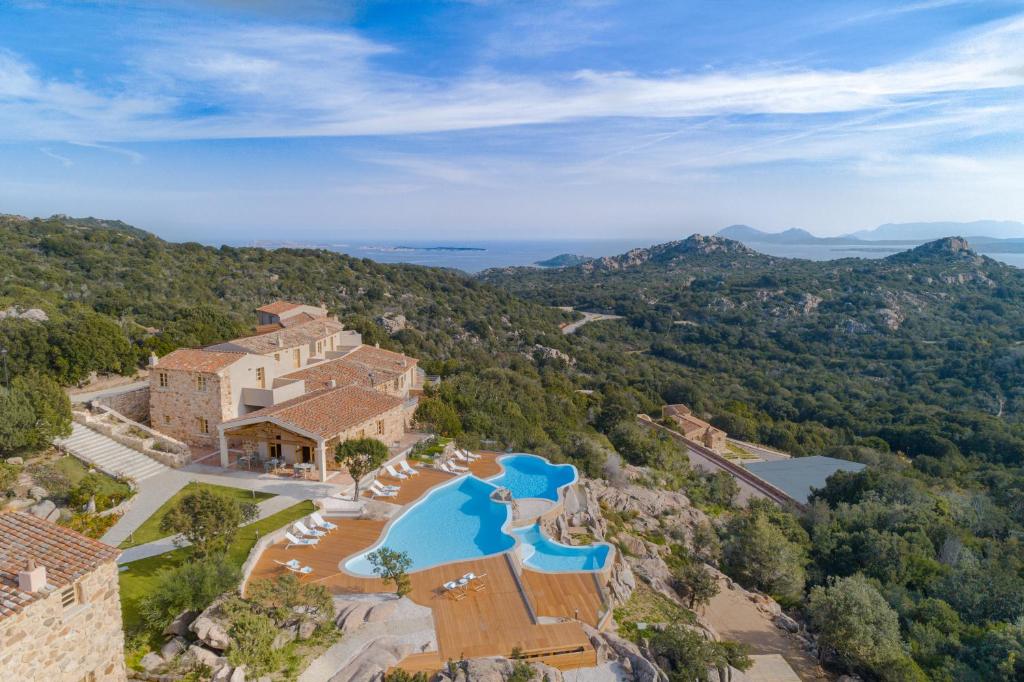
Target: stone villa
694, 429
292, 391
60, 610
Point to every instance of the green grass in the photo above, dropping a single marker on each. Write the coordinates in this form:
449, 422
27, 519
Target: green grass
150, 528
76, 470
647, 606
141, 576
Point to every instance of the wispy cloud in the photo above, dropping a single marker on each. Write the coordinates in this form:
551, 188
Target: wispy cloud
64, 161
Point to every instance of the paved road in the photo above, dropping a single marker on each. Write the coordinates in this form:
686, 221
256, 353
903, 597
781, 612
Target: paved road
587, 317
81, 398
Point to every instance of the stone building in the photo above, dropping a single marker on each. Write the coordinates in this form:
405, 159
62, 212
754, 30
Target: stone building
694, 429
60, 609
195, 392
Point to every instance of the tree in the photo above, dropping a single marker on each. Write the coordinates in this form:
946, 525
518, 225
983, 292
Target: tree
286, 598
192, 586
687, 656
360, 456
856, 623
208, 520
33, 411
439, 415
252, 643
758, 554
696, 583
392, 566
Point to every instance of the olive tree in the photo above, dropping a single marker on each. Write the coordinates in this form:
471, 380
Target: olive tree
360, 456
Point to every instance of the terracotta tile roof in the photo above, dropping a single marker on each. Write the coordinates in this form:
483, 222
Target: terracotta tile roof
329, 411
343, 372
67, 556
297, 319
298, 335
278, 307
379, 359
199, 359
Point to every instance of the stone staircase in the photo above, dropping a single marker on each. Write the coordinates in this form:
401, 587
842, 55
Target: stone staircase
108, 455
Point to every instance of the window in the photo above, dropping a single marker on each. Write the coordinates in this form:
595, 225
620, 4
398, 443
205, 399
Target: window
204, 426
394, 384
380, 427
200, 382
319, 347
277, 358
69, 596
297, 357
167, 419
333, 338
261, 377
162, 379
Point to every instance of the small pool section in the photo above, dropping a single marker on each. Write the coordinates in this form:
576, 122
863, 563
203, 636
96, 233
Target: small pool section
532, 476
459, 521
543, 554
455, 522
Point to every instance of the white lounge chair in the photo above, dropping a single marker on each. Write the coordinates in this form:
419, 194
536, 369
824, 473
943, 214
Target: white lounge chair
457, 468
444, 467
475, 581
404, 464
452, 588
377, 491
457, 454
385, 486
299, 542
395, 474
319, 523
294, 566
308, 532
469, 454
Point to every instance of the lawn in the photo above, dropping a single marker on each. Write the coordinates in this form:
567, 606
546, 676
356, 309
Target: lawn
76, 470
141, 576
150, 528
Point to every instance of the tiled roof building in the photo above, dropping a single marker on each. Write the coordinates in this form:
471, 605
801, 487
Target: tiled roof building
60, 611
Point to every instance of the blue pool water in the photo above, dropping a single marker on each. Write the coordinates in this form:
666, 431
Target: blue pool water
460, 521
455, 522
543, 554
533, 476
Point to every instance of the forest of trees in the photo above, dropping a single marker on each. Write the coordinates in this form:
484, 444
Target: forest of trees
912, 364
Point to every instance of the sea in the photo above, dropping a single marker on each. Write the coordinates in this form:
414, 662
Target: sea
475, 256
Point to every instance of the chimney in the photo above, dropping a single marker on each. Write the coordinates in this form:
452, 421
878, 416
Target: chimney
33, 578
153, 359
377, 345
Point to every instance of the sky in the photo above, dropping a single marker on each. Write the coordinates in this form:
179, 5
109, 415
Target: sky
231, 121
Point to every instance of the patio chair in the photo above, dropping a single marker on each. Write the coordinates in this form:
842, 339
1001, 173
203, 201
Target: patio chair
395, 474
385, 486
408, 469
453, 590
457, 454
308, 532
457, 468
444, 467
300, 542
294, 566
469, 455
319, 523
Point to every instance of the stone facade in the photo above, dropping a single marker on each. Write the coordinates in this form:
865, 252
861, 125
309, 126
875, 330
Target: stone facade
176, 408
388, 427
83, 641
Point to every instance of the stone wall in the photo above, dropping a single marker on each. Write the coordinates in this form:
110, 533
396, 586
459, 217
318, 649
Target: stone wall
394, 427
49, 642
132, 404
175, 409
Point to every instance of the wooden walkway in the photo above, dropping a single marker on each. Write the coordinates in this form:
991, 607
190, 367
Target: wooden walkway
491, 622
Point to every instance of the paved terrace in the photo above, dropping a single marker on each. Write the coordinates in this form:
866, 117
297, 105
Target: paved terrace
491, 622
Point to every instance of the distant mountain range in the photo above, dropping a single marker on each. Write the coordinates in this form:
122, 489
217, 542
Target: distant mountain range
981, 231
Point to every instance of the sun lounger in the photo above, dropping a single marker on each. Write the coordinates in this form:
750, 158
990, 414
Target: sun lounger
455, 591
395, 474
475, 581
408, 469
469, 454
308, 532
299, 542
385, 486
445, 468
319, 523
461, 457
294, 566
377, 491
457, 468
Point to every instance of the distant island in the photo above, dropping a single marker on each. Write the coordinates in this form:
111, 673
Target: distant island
402, 247
563, 260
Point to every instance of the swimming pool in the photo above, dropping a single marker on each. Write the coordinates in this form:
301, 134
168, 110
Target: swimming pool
532, 476
541, 553
459, 521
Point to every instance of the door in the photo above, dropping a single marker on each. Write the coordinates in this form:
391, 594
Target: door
274, 450
305, 454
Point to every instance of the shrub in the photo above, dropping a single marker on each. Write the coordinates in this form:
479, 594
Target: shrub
252, 637
286, 598
191, 586
208, 520
91, 525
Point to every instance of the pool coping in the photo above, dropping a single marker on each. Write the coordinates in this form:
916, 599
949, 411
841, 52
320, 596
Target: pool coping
506, 526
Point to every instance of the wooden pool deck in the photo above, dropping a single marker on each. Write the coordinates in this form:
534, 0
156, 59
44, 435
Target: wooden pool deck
490, 622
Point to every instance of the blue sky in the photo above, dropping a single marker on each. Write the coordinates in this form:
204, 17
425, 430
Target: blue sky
238, 120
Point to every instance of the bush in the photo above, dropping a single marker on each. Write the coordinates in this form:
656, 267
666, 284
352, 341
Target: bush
191, 586
286, 599
91, 525
208, 520
252, 637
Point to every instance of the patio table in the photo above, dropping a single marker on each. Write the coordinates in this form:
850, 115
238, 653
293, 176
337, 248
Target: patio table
303, 468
